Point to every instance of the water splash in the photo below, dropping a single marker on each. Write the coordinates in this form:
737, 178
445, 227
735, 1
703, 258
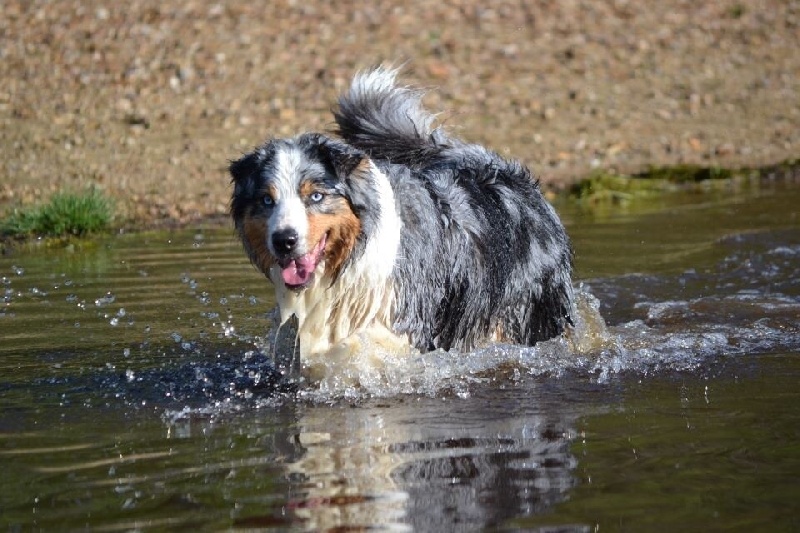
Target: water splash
211, 349
372, 371
671, 335
107, 299
675, 336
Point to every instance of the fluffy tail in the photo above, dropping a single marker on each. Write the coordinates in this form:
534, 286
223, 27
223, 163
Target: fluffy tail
386, 121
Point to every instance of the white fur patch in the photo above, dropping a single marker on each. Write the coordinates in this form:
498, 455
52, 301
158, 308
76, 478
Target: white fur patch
381, 249
289, 210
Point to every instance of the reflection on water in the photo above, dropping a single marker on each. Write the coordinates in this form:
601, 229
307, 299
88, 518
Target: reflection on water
415, 464
139, 389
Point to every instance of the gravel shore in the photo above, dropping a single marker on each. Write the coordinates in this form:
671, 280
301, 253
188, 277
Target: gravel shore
148, 100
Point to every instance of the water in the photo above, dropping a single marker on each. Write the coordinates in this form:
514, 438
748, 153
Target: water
137, 391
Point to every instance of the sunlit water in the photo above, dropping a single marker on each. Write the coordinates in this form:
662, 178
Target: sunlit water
140, 389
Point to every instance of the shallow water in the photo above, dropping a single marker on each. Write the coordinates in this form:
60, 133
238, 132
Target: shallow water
138, 391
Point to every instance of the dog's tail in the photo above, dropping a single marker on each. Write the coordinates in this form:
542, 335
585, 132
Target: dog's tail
386, 121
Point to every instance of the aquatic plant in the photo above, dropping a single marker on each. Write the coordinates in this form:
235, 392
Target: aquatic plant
605, 187
66, 214
608, 187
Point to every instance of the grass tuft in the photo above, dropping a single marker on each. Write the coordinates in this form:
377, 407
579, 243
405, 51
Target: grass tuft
66, 214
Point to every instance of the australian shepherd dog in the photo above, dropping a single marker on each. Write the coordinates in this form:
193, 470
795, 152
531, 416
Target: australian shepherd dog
396, 231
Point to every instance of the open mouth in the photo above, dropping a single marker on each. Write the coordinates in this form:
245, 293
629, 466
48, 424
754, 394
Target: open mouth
298, 272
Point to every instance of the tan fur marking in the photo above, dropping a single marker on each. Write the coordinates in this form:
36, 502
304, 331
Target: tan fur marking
306, 188
342, 228
271, 191
254, 231
363, 169
499, 334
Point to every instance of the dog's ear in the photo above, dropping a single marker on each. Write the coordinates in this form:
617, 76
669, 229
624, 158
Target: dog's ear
249, 164
244, 171
244, 167
241, 172
245, 177
340, 158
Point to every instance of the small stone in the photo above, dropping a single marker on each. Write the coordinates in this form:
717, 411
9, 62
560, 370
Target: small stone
696, 144
725, 149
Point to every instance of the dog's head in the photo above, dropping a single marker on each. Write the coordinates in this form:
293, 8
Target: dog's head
301, 207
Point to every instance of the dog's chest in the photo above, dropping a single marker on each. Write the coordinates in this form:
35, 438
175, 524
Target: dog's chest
331, 314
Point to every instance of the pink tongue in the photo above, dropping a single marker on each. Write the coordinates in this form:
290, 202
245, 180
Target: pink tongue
299, 271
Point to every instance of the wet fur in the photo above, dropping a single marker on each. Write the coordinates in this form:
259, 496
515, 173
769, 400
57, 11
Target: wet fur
431, 240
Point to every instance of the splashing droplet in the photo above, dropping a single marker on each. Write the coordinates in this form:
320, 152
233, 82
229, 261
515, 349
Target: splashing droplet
105, 300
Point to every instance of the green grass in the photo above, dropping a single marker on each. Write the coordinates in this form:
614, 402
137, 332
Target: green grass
67, 214
737, 11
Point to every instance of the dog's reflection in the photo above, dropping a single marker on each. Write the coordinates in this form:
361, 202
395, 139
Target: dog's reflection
417, 466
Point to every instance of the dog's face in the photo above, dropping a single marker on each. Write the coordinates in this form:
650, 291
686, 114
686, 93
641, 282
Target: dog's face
296, 207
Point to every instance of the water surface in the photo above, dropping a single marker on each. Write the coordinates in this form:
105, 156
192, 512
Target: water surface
138, 391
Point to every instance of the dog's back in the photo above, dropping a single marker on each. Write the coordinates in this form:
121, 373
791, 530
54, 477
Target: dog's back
483, 256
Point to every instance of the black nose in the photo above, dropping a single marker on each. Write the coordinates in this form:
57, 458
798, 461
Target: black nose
284, 241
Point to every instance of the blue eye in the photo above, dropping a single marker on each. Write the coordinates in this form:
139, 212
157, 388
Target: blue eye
268, 201
316, 197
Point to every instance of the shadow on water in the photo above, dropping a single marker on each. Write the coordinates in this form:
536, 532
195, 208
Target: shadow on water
139, 390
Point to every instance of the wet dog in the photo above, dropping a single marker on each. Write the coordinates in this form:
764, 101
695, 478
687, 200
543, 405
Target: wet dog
397, 231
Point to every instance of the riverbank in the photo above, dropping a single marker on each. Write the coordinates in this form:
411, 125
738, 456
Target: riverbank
148, 101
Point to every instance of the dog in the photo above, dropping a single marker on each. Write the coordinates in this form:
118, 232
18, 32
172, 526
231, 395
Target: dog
396, 230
